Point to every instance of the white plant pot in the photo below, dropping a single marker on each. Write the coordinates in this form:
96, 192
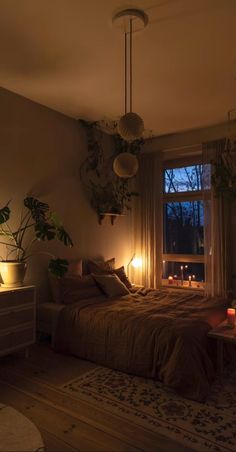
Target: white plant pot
12, 273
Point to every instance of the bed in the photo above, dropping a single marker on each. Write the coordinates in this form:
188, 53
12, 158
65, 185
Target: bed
160, 334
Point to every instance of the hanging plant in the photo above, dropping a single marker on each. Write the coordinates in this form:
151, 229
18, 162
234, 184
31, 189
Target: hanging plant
224, 173
108, 193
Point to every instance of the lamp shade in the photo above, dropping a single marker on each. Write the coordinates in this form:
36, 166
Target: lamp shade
130, 126
125, 165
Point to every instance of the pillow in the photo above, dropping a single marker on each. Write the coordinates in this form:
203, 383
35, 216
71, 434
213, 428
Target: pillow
74, 269
74, 289
111, 285
99, 266
108, 268
120, 272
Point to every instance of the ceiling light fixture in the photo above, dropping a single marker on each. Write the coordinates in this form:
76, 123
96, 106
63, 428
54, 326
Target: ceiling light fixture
131, 125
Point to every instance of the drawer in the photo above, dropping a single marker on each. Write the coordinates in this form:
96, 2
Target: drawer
16, 317
16, 339
16, 297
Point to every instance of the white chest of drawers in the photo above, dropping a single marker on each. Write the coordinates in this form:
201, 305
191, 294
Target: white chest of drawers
17, 318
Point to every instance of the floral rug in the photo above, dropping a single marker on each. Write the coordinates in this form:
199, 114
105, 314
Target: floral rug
209, 426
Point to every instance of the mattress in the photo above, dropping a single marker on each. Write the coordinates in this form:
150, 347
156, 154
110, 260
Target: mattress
47, 316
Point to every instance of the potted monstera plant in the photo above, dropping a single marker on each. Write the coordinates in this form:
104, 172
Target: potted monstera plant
36, 223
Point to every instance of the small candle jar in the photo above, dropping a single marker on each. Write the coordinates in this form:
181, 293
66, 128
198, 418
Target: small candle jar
231, 317
170, 279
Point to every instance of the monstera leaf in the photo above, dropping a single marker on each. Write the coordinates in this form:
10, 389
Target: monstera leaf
58, 267
62, 235
4, 214
37, 208
44, 231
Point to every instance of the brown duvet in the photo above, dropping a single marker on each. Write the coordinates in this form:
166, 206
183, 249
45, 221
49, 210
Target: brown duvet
157, 334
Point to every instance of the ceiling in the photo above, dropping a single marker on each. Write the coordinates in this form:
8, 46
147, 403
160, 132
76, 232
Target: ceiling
66, 55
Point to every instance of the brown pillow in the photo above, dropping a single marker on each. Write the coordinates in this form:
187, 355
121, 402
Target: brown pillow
98, 266
111, 285
74, 269
120, 272
75, 289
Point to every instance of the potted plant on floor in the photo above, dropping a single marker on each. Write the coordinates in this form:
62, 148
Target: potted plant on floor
36, 218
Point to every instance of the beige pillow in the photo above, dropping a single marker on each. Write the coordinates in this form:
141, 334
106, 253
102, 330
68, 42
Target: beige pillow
98, 266
74, 289
111, 285
105, 268
74, 269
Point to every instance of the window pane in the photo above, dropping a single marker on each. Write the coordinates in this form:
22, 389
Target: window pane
183, 271
183, 227
188, 178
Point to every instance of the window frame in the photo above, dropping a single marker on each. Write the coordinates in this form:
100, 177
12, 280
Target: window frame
198, 195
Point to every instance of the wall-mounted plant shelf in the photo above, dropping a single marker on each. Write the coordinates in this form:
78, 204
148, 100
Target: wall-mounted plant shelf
112, 216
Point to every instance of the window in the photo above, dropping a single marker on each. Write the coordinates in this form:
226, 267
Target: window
183, 224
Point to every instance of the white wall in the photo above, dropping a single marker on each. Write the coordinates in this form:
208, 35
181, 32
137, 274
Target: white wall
41, 152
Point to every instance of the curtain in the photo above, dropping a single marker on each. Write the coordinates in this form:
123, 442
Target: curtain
147, 224
216, 227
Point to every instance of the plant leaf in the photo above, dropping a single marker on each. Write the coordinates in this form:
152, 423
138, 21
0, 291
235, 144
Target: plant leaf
4, 214
37, 208
44, 231
60, 232
53, 217
58, 267
62, 235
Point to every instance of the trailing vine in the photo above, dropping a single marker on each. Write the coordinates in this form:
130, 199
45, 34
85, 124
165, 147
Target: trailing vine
108, 193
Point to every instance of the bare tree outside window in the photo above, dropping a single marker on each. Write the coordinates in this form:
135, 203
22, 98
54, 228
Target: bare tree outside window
183, 219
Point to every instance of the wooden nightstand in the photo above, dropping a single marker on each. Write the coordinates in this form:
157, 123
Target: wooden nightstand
222, 333
17, 319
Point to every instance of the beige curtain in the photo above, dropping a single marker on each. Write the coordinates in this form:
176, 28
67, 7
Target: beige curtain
147, 224
216, 228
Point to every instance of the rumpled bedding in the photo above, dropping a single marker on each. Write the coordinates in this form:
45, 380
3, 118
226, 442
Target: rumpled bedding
158, 334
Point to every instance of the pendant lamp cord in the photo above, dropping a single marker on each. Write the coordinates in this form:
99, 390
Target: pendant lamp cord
130, 63
125, 73
128, 67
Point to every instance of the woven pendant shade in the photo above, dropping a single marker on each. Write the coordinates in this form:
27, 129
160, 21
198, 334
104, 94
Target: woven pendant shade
130, 126
125, 165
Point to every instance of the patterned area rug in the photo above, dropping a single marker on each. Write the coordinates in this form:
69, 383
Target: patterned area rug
209, 426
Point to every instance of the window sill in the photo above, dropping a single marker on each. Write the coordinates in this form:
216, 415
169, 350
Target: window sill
176, 284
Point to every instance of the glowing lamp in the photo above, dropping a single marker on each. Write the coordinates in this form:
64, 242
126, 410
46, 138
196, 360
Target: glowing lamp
136, 262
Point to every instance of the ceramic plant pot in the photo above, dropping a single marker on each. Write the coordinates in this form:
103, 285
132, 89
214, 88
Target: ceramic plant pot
12, 273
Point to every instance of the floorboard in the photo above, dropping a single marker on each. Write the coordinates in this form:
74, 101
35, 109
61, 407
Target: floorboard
33, 387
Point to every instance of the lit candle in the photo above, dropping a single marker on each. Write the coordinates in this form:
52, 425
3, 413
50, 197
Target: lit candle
193, 276
182, 274
231, 317
189, 280
170, 279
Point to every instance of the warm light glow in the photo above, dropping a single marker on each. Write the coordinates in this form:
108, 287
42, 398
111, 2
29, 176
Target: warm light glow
136, 262
231, 317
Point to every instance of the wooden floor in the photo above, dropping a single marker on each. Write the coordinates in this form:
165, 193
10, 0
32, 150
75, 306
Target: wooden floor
32, 387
